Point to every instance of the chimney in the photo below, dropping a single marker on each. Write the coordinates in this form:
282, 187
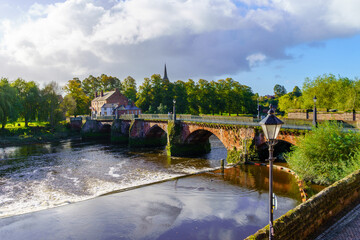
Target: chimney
102, 93
96, 94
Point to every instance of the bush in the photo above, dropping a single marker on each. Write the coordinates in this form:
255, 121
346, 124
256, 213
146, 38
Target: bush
326, 154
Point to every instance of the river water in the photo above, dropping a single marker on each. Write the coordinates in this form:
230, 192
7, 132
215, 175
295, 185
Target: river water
215, 205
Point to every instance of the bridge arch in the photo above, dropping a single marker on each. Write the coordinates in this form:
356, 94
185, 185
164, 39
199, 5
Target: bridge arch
280, 149
200, 135
157, 134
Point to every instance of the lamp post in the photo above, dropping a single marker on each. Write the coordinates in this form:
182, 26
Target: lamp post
315, 114
271, 126
174, 101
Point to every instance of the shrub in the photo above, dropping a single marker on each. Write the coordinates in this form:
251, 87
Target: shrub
326, 154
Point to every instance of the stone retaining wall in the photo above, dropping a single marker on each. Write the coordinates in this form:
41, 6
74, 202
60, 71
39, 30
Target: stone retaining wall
306, 218
343, 116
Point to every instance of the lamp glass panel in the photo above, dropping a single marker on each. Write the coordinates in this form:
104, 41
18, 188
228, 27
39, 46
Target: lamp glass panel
264, 127
271, 131
277, 131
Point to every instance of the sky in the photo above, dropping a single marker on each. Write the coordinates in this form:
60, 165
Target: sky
258, 43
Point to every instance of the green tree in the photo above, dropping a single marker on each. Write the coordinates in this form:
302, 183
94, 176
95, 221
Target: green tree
144, 96
206, 97
29, 95
109, 83
296, 92
180, 94
192, 92
50, 103
90, 85
161, 109
279, 90
9, 103
68, 106
331, 92
129, 88
156, 92
326, 154
73, 88
167, 95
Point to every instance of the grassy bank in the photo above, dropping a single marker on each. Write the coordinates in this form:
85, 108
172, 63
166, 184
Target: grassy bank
18, 134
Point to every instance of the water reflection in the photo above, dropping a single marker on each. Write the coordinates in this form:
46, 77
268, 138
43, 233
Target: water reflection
257, 178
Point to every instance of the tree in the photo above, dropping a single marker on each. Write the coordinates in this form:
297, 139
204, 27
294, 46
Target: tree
326, 154
50, 103
29, 95
156, 92
192, 92
167, 94
296, 92
9, 103
109, 83
144, 96
73, 88
205, 97
161, 109
279, 90
68, 106
90, 85
129, 88
331, 92
180, 94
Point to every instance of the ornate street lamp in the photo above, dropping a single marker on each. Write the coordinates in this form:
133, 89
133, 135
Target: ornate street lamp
174, 101
271, 126
315, 114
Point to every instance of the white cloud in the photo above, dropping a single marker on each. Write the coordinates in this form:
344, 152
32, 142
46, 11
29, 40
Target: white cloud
255, 58
197, 38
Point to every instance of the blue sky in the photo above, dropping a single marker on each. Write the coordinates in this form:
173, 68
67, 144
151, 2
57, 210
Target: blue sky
259, 43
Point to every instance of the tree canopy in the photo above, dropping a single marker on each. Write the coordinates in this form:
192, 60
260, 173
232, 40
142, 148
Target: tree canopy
332, 92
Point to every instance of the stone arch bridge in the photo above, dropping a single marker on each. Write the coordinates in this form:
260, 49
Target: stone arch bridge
184, 138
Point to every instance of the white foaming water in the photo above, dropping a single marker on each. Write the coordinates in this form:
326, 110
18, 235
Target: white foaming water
39, 177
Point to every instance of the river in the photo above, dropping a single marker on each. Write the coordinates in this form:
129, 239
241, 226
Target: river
212, 205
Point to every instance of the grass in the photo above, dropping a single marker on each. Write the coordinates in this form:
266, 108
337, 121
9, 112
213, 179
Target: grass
36, 132
21, 124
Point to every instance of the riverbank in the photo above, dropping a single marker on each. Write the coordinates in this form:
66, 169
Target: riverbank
31, 135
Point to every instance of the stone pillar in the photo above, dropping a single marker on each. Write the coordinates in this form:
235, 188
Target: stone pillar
119, 131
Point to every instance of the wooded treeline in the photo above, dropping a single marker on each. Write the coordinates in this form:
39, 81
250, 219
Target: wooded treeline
332, 92
21, 99
26, 100
156, 95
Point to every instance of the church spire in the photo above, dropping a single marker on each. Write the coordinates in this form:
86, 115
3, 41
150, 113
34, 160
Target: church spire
165, 74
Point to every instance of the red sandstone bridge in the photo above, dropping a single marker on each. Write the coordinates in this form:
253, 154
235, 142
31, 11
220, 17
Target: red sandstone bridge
189, 134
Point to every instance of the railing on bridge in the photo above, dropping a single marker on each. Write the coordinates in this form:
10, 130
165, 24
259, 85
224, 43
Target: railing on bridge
289, 123
235, 120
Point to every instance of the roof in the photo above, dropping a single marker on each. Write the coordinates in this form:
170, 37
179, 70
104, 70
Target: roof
106, 96
128, 107
109, 105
